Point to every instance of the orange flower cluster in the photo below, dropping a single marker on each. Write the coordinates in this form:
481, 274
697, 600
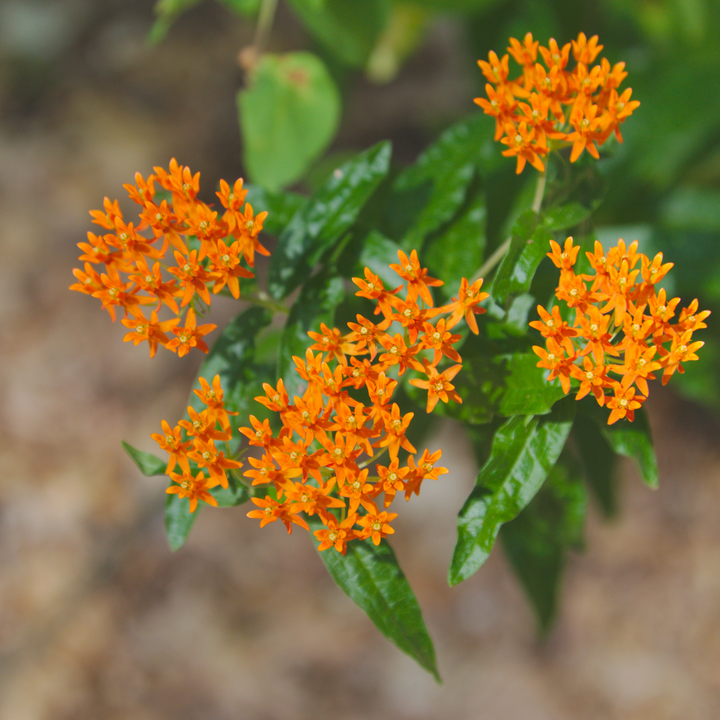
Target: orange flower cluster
193, 441
622, 326
133, 277
316, 462
529, 112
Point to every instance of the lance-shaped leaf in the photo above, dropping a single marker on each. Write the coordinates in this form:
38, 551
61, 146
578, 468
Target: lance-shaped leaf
537, 541
234, 494
316, 304
325, 218
526, 390
231, 357
598, 461
438, 182
529, 245
630, 439
149, 464
565, 216
280, 206
524, 451
288, 114
371, 577
178, 520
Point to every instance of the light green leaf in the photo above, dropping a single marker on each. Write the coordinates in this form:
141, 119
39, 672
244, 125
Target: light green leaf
524, 451
371, 577
149, 464
527, 392
288, 116
565, 217
178, 520
325, 218
242, 7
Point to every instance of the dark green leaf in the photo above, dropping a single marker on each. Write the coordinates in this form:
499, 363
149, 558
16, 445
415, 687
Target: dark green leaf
325, 218
288, 115
630, 439
527, 392
371, 577
235, 494
537, 541
440, 179
231, 357
281, 207
457, 251
530, 243
178, 520
565, 217
148, 463
598, 461
315, 305
524, 451
346, 27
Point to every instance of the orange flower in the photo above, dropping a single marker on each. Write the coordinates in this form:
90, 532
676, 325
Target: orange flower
190, 335
336, 534
193, 488
438, 385
376, 526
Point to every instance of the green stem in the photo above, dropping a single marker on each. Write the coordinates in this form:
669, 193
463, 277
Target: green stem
500, 253
264, 24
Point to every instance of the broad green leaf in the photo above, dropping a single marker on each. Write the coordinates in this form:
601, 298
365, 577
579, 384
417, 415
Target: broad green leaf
530, 244
371, 577
440, 179
149, 464
524, 451
598, 461
527, 392
231, 357
630, 439
178, 520
457, 251
462, 6
281, 207
565, 217
537, 541
315, 305
242, 7
288, 116
325, 218
349, 29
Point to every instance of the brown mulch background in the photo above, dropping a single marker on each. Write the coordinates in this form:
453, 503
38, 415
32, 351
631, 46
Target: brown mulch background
99, 620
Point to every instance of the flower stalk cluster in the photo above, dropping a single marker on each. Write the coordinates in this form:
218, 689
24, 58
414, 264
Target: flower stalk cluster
549, 103
623, 327
319, 463
134, 262
193, 441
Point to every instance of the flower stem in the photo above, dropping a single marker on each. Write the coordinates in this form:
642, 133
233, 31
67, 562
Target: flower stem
264, 300
501, 251
264, 23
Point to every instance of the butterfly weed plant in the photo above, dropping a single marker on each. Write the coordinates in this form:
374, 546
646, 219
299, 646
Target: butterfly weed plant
542, 347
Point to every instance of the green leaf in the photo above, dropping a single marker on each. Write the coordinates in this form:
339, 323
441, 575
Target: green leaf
235, 494
464, 6
315, 305
457, 251
325, 218
149, 464
242, 7
288, 116
167, 12
565, 217
530, 244
178, 520
231, 357
371, 577
524, 451
349, 29
537, 541
527, 392
439, 179
630, 439
281, 207
598, 461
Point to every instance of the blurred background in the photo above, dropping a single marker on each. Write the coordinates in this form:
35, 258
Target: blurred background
98, 619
